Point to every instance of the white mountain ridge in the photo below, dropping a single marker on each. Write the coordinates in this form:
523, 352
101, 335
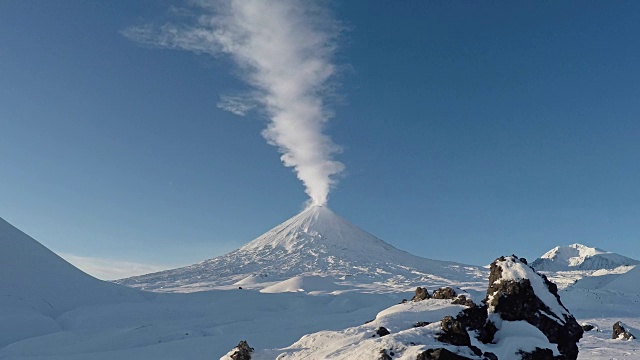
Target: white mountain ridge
316, 242
580, 257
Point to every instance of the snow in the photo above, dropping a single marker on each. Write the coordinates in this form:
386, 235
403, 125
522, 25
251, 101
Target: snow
317, 284
580, 257
314, 242
515, 336
51, 310
515, 270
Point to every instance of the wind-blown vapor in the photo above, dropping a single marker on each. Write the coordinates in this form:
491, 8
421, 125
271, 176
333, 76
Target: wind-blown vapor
284, 50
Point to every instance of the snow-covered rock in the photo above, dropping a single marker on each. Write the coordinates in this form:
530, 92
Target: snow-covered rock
580, 257
523, 318
315, 242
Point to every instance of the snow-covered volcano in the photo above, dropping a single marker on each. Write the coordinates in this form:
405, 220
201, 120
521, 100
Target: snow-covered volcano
314, 242
580, 257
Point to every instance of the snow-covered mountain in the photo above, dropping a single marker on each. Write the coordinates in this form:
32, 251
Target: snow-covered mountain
314, 242
37, 286
33, 277
580, 257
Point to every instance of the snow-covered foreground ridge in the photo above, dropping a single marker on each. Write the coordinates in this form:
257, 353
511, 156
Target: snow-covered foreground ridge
314, 242
521, 317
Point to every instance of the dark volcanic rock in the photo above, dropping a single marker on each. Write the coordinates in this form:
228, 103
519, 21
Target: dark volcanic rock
421, 294
620, 332
384, 355
514, 298
539, 354
444, 293
476, 318
463, 300
242, 351
382, 331
453, 332
421, 324
587, 327
440, 354
489, 356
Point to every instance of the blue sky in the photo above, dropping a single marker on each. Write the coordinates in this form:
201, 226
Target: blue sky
469, 130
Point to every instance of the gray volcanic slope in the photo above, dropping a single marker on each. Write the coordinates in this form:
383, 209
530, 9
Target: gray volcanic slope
318, 242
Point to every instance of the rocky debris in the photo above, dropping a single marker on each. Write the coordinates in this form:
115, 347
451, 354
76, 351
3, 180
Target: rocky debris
440, 354
453, 332
242, 351
587, 327
621, 332
444, 293
463, 300
489, 356
512, 296
382, 331
476, 319
515, 293
421, 324
539, 354
421, 294
384, 355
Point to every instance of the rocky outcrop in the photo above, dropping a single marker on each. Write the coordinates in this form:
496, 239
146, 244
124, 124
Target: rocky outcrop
463, 300
444, 293
539, 354
384, 355
382, 331
620, 332
421, 294
440, 354
587, 327
454, 332
241, 352
517, 293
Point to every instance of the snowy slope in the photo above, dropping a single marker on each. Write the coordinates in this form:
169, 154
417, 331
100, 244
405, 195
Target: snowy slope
314, 242
37, 285
580, 257
34, 277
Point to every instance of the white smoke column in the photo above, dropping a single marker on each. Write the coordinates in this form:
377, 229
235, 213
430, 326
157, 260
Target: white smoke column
284, 49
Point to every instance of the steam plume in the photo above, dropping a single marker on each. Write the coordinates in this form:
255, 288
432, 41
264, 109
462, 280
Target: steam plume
284, 50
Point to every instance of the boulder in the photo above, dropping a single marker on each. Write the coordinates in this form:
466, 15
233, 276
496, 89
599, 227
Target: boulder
539, 354
620, 332
440, 354
463, 300
382, 331
242, 351
421, 294
587, 327
384, 355
454, 332
518, 293
421, 324
444, 293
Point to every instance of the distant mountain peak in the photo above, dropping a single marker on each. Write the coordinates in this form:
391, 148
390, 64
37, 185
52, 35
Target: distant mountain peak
580, 257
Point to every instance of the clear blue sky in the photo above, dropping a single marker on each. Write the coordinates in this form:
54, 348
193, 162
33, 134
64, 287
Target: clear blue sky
470, 130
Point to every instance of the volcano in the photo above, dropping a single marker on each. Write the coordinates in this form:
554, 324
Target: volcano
316, 242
